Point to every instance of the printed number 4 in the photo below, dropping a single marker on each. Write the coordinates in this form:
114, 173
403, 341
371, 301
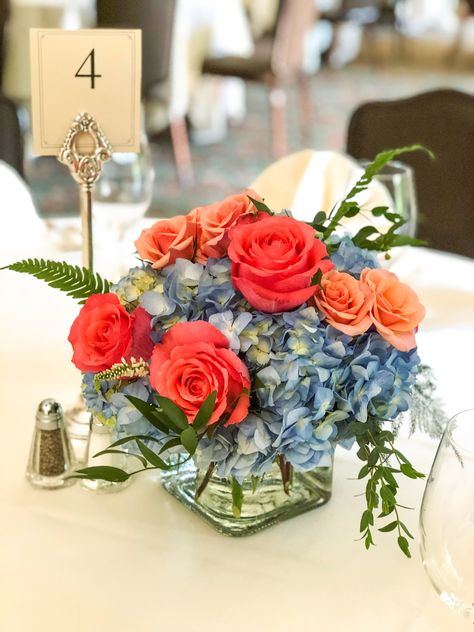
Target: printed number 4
92, 74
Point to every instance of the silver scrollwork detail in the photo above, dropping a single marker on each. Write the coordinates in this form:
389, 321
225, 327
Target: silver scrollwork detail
85, 167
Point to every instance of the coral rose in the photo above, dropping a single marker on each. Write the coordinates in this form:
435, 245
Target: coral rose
215, 220
167, 240
345, 302
104, 332
193, 360
101, 335
396, 310
274, 260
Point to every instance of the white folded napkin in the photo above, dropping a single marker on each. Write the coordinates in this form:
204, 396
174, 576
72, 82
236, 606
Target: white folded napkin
21, 230
309, 181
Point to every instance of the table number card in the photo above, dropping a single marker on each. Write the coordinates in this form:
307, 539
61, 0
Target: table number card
97, 71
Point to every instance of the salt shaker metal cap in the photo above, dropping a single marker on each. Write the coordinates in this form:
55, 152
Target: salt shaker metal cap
51, 459
49, 415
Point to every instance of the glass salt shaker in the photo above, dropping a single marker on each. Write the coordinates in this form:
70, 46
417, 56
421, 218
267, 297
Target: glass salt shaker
51, 456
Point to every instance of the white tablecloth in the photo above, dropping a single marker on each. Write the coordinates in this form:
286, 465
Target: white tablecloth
138, 561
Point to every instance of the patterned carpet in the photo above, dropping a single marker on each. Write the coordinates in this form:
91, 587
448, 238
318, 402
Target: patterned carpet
232, 164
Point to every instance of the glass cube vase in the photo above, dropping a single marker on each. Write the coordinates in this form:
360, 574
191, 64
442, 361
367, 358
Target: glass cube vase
267, 505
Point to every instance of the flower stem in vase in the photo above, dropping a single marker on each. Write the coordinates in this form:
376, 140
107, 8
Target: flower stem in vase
286, 473
205, 480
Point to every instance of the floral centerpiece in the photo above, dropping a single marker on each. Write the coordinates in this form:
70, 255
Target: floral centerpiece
243, 349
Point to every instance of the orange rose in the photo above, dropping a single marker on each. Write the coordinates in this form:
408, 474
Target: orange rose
345, 302
396, 310
216, 219
167, 240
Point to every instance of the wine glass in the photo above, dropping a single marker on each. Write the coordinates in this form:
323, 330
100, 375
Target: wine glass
123, 193
398, 181
447, 517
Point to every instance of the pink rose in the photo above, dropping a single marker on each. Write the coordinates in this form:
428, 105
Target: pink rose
193, 360
104, 332
274, 260
215, 221
167, 240
345, 302
396, 310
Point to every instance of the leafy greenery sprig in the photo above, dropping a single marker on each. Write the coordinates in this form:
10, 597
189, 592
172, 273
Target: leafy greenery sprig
80, 283
369, 237
376, 450
165, 416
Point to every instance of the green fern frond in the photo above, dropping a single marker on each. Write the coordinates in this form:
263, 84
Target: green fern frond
77, 282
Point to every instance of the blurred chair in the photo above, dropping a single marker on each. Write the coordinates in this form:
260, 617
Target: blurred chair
156, 20
276, 63
443, 121
11, 139
4, 15
465, 14
369, 14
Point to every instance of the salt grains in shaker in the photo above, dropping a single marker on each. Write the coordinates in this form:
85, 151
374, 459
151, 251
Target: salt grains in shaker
51, 455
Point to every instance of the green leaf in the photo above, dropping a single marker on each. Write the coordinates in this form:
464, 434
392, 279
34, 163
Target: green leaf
132, 438
406, 240
189, 440
151, 457
366, 520
112, 451
402, 457
358, 428
319, 218
103, 472
172, 443
387, 495
205, 412
364, 470
149, 412
316, 280
368, 540
77, 282
237, 497
373, 458
173, 412
260, 206
363, 233
362, 453
408, 470
405, 528
403, 544
378, 211
389, 477
352, 210
384, 514
389, 527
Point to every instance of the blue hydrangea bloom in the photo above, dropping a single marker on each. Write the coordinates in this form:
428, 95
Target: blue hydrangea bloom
350, 258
